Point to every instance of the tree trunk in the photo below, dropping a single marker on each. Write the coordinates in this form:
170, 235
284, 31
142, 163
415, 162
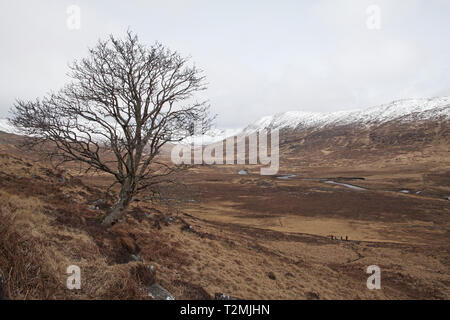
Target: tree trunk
125, 197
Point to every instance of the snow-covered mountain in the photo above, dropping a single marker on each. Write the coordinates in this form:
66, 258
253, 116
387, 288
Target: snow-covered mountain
5, 126
212, 136
401, 110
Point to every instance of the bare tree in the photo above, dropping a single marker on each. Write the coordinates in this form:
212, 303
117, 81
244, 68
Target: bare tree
124, 103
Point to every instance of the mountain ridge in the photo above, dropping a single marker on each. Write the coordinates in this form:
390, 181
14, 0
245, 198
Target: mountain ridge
402, 110
405, 110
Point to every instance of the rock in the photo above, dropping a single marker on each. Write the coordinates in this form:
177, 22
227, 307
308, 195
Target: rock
271, 275
2, 286
448, 198
151, 268
187, 227
157, 292
312, 296
168, 220
404, 191
289, 275
135, 257
98, 204
223, 296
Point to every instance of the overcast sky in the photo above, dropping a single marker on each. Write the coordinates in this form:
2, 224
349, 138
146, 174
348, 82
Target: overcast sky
260, 57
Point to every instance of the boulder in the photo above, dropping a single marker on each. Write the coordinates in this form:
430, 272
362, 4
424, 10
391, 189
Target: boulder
156, 292
223, 296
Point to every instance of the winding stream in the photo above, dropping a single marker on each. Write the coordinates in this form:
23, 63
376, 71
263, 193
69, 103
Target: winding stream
351, 186
345, 185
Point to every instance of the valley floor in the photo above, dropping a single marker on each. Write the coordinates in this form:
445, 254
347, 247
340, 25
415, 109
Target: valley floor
247, 236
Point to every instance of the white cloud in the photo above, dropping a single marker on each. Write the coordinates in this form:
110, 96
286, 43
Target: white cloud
260, 57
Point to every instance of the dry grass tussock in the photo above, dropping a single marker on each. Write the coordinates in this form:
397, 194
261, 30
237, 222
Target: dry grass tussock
35, 254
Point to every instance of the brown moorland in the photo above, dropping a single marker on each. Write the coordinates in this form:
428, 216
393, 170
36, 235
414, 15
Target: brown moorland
248, 236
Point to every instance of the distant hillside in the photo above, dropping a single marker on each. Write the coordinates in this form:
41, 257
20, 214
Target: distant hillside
400, 126
402, 111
